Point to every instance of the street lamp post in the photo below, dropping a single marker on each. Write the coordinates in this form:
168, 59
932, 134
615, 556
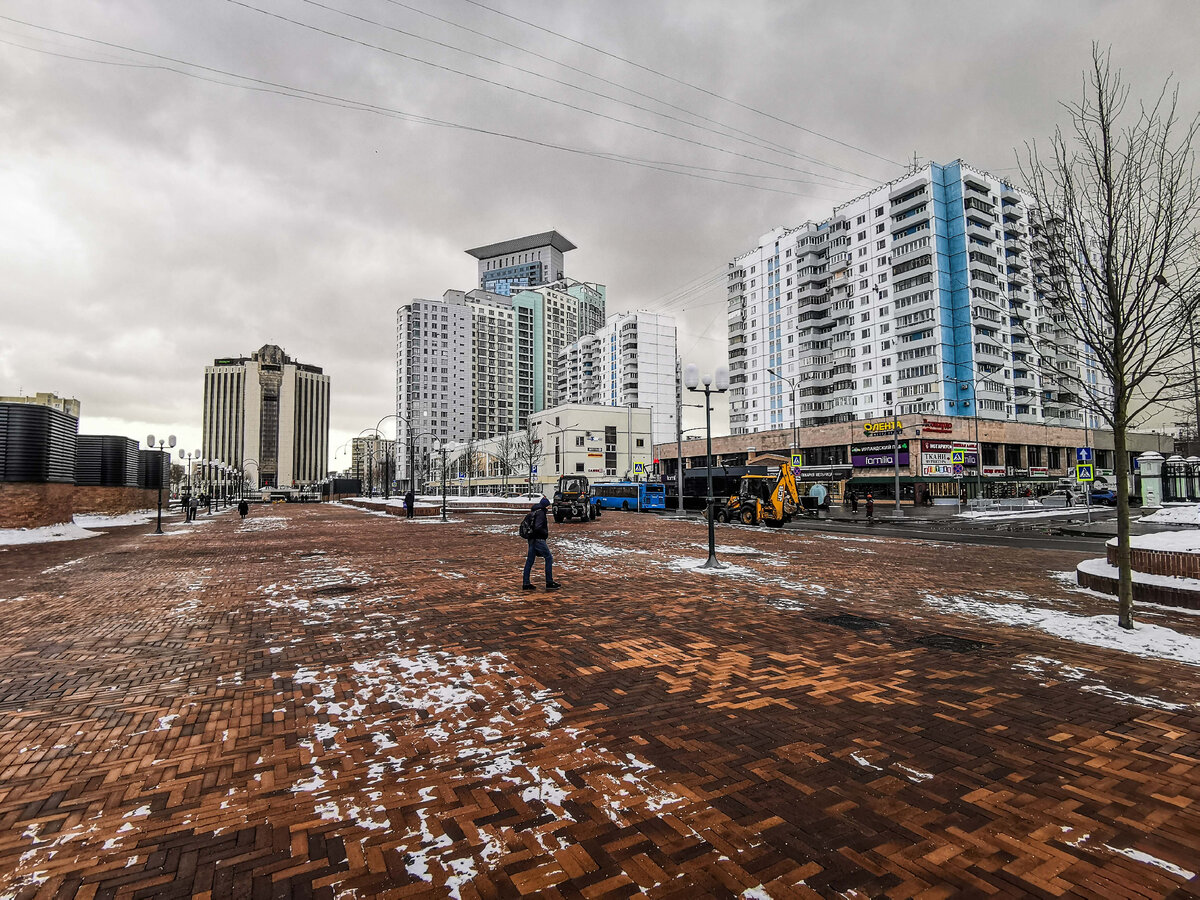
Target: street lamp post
791, 383
896, 458
692, 380
169, 441
183, 454
439, 446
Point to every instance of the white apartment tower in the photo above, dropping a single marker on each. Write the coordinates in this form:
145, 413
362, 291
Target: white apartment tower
433, 379
628, 362
492, 366
920, 296
268, 416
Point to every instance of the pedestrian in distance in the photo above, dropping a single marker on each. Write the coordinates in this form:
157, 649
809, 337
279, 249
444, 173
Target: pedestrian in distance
193, 508
243, 509
870, 508
208, 503
410, 501
535, 529
854, 503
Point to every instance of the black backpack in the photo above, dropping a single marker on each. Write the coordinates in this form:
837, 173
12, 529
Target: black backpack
526, 528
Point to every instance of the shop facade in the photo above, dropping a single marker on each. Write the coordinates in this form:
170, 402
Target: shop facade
939, 459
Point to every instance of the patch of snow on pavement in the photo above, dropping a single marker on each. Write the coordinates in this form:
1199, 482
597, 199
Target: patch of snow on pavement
693, 564
1138, 855
593, 549
1154, 641
263, 523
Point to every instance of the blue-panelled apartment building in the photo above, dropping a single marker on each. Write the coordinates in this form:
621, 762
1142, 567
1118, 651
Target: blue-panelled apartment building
917, 297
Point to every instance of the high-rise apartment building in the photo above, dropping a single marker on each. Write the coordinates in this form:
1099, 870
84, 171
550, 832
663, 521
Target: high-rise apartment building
919, 296
628, 362
487, 365
267, 414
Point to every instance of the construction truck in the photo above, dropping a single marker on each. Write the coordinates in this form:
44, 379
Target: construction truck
771, 499
573, 499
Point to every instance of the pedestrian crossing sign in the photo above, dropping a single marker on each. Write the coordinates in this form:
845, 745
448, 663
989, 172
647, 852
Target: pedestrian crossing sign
958, 457
797, 460
1085, 472
639, 468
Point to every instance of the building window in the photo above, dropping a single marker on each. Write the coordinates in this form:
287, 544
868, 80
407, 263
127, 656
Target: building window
578, 467
641, 442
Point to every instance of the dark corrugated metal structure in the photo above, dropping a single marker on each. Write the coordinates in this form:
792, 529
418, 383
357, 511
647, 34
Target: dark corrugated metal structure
152, 464
106, 460
37, 444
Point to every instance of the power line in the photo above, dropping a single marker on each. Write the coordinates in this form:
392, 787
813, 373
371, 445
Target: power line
756, 140
401, 55
270, 87
679, 81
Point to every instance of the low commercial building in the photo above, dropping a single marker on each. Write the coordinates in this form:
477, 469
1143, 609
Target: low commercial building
998, 458
605, 443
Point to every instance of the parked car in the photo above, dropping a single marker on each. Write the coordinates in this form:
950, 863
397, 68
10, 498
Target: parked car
1104, 497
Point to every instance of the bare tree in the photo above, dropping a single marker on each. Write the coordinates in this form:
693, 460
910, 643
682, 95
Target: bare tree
1119, 201
506, 455
528, 451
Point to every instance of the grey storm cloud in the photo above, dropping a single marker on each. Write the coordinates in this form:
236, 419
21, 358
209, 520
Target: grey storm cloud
153, 220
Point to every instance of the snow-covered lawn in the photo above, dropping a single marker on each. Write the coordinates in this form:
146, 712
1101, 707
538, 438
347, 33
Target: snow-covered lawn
1034, 511
141, 517
1175, 541
1188, 514
68, 531
1098, 631
1103, 569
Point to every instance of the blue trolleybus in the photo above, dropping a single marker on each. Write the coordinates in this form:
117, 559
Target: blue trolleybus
630, 494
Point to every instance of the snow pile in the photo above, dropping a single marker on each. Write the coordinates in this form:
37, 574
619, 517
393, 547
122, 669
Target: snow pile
1175, 515
263, 523
67, 531
1152, 641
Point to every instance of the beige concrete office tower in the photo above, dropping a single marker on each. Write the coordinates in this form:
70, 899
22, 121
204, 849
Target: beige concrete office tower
268, 416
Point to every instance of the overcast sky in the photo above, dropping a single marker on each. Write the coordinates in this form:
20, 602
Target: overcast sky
151, 221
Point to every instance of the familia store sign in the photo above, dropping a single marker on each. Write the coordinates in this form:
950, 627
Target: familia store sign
877, 455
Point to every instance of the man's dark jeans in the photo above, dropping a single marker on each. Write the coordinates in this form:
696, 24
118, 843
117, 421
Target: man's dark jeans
538, 547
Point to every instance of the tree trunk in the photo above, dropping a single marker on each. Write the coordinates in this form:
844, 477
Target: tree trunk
1121, 473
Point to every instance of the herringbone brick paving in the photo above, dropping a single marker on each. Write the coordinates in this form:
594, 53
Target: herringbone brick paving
324, 702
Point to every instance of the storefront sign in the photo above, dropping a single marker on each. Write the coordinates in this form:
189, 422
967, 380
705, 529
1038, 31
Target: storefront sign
993, 471
1042, 471
936, 469
877, 455
937, 427
941, 453
882, 427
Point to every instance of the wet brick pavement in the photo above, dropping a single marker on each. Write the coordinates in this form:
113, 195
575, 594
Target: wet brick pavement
325, 702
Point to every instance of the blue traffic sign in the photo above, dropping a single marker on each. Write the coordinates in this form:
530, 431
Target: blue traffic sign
1083, 454
533, 470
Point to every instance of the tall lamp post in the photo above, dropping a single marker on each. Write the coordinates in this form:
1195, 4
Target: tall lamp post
169, 441
184, 455
791, 383
439, 446
692, 381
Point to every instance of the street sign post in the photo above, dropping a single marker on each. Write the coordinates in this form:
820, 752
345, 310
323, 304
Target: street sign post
1083, 454
1085, 471
797, 460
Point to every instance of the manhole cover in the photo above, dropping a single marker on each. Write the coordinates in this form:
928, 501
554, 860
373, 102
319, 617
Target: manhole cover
950, 642
854, 623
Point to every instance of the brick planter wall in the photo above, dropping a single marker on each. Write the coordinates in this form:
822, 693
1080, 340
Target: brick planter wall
1142, 593
378, 506
1160, 562
114, 501
34, 505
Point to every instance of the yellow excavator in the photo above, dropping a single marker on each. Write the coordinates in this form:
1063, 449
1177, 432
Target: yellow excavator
769, 499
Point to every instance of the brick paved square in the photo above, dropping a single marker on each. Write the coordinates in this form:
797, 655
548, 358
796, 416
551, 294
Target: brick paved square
326, 702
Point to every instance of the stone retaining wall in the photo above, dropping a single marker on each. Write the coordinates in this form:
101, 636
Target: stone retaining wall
115, 501
1160, 562
35, 504
1142, 593
392, 510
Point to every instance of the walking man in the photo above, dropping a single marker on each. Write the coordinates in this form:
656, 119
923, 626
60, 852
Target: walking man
243, 509
871, 508
410, 500
539, 532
